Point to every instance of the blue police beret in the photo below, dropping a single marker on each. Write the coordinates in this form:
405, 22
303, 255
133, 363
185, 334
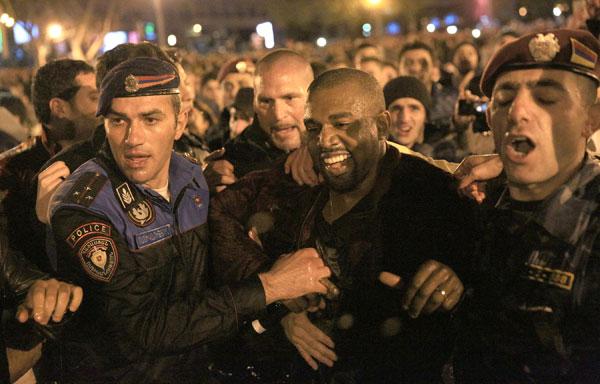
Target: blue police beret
140, 76
567, 49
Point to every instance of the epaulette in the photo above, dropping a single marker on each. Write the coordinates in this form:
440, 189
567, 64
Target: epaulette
86, 188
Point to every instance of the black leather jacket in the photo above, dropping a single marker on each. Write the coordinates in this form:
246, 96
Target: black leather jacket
142, 261
16, 278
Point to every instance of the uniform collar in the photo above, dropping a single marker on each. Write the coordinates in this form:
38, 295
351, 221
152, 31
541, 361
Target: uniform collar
567, 212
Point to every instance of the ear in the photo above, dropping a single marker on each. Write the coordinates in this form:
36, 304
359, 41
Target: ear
592, 123
58, 107
182, 119
383, 121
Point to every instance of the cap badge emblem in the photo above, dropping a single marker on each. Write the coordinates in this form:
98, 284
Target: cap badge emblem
544, 47
131, 84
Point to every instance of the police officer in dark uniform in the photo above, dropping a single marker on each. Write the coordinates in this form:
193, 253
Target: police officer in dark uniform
535, 314
130, 226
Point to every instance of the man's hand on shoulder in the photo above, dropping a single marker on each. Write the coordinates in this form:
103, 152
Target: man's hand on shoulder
48, 181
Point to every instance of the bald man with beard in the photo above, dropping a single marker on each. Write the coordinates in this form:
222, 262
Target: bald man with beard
280, 89
380, 216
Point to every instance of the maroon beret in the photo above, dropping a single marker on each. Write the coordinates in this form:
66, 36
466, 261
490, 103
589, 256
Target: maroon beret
567, 49
239, 65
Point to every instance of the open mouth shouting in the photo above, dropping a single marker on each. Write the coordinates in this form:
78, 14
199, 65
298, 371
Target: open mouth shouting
518, 147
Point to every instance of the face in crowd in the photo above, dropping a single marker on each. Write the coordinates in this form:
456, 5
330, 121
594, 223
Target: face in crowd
280, 90
465, 58
232, 83
343, 135
408, 121
141, 132
417, 63
539, 119
79, 112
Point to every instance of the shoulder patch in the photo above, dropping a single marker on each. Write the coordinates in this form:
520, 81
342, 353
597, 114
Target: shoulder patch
87, 229
86, 188
99, 258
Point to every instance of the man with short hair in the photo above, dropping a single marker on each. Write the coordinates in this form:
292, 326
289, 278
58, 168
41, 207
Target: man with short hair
130, 227
64, 97
409, 104
377, 211
280, 85
419, 60
535, 311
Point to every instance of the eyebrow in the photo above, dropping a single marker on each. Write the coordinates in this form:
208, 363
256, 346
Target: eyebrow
143, 114
340, 115
541, 83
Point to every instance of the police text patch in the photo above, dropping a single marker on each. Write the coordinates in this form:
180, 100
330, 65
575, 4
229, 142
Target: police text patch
99, 258
87, 229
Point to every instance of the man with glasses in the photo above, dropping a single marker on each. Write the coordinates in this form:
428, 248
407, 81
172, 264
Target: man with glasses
65, 97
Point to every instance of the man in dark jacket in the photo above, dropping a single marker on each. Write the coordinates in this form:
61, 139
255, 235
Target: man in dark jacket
535, 311
280, 89
130, 226
379, 215
64, 97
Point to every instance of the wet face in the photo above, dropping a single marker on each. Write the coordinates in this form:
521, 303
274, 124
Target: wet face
465, 58
408, 121
141, 132
280, 97
80, 111
342, 136
539, 119
232, 83
417, 63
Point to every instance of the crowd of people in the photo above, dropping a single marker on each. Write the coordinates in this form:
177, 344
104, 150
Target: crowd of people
425, 210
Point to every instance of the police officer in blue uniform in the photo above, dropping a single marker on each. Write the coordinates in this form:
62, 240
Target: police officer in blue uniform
130, 227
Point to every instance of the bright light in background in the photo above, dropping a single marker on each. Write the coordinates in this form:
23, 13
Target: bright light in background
171, 40
265, 30
4, 18
451, 19
373, 3
10, 22
393, 28
133, 37
556, 11
321, 42
112, 39
20, 33
366, 29
452, 29
197, 28
430, 27
476, 33
522, 11
55, 31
